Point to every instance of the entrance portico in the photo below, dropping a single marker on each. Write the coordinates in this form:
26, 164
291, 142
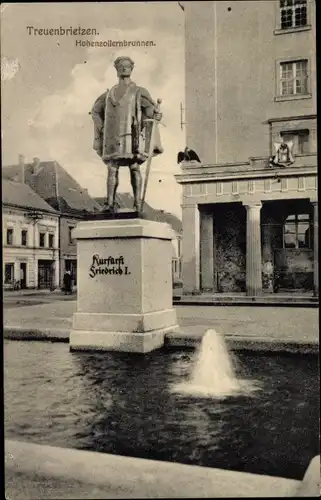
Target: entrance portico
238, 221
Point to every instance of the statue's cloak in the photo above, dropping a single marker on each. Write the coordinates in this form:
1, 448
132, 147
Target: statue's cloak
122, 134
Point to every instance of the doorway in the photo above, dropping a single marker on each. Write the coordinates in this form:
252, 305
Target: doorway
45, 274
23, 275
71, 265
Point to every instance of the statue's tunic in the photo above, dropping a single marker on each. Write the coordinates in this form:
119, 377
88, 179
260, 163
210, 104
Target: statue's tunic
122, 134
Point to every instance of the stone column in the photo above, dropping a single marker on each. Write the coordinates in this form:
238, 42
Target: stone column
191, 249
207, 251
253, 250
315, 249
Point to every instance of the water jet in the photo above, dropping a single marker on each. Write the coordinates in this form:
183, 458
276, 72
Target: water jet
214, 375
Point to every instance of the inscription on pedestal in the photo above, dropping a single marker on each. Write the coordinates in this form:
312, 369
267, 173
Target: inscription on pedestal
108, 265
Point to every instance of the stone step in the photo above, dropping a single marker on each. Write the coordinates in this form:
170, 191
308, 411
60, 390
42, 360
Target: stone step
297, 301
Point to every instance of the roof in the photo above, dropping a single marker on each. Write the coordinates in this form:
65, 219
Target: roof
53, 183
126, 200
21, 195
123, 200
11, 172
171, 219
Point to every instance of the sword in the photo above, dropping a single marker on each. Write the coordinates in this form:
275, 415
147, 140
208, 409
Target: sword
150, 153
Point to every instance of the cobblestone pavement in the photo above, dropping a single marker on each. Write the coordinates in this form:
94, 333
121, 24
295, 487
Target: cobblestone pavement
29, 487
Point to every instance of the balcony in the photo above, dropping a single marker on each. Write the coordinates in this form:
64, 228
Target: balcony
300, 160
255, 166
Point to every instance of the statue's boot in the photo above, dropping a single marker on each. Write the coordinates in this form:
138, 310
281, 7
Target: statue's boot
108, 209
138, 207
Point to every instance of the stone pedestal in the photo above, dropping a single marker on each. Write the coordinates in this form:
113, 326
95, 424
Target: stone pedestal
253, 250
124, 290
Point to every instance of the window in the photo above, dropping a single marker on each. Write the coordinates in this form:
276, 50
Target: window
293, 13
297, 231
51, 240
300, 139
175, 265
8, 274
24, 237
294, 78
10, 236
179, 245
42, 239
71, 241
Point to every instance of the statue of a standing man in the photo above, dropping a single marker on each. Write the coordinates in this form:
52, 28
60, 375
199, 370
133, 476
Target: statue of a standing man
122, 132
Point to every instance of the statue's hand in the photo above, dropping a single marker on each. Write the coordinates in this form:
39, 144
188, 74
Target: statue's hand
158, 116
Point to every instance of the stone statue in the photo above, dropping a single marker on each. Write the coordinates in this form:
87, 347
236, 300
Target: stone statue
123, 120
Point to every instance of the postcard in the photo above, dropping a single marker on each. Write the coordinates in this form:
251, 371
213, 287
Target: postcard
160, 249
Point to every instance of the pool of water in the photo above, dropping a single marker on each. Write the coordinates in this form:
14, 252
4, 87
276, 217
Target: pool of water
124, 404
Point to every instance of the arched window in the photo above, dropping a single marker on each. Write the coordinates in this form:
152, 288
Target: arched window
297, 231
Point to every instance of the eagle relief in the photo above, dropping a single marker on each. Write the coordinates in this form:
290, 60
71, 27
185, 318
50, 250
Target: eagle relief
109, 265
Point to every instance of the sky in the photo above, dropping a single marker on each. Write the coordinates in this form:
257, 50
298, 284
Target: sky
49, 86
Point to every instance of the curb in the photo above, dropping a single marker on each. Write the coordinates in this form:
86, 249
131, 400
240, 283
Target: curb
179, 340
308, 304
245, 343
269, 347
43, 334
31, 293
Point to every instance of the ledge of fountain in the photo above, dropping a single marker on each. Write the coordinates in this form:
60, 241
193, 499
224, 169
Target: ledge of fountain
310, 484
116, 476
36, 333
183, 338
191, 337
271, 345
186, 337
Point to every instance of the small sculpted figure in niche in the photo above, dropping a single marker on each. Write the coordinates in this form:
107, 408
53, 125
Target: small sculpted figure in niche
283, 154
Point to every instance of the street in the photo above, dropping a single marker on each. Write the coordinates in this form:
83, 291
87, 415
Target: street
55, 311
19, 300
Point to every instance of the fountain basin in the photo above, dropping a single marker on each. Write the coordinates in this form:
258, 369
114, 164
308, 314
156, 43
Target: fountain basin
123, 404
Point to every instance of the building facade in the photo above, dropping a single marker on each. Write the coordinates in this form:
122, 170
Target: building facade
68, 247
30, 239
61, 191
250, 223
